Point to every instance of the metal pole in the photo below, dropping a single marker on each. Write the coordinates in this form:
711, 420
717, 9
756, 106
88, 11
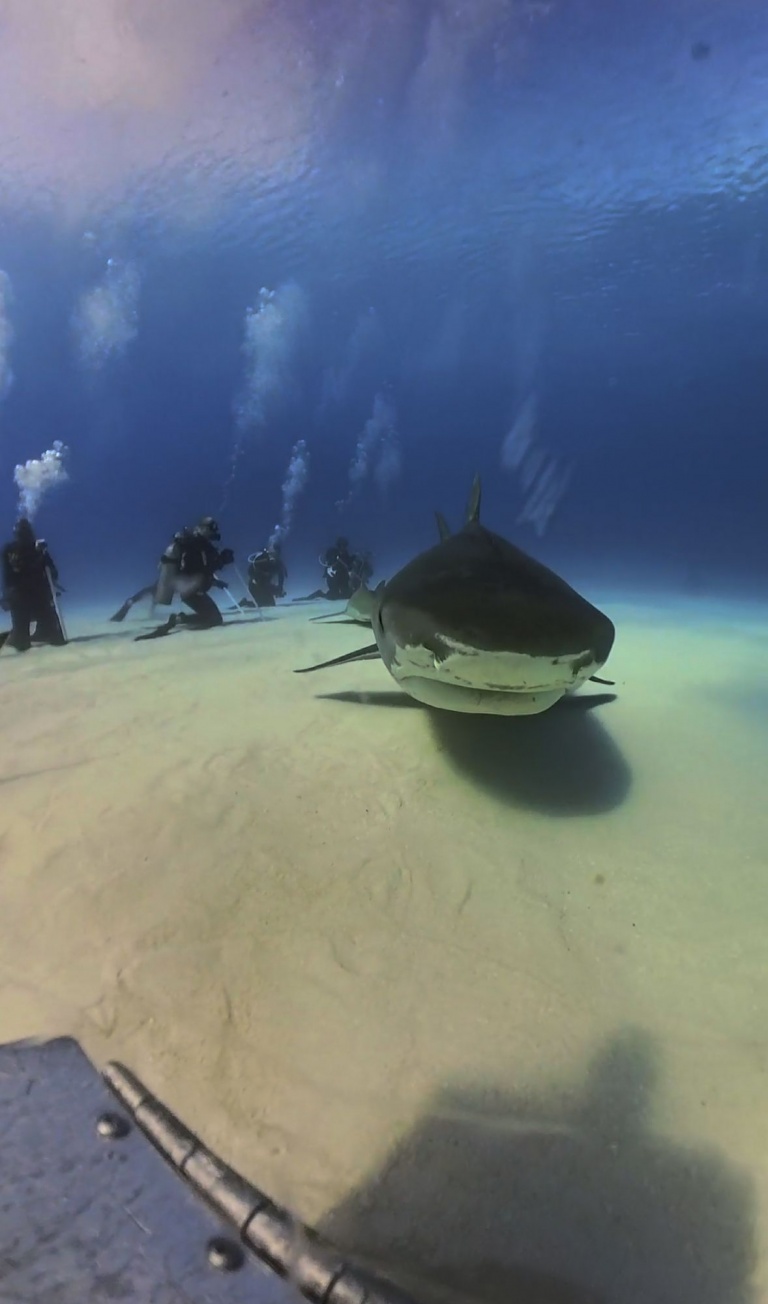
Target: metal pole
56, 607
232, 599
238, 573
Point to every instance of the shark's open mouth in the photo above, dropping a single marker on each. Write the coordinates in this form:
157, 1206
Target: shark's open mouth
499, 673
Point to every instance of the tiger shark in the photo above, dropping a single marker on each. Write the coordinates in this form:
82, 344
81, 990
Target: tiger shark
476, 625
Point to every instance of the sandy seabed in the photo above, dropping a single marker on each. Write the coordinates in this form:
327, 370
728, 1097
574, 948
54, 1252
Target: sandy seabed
484, 1000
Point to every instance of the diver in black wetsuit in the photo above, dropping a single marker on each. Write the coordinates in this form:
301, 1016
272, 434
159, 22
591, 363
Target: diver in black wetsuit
30, 585
344, 572
267, 574
188, 550
188, 568
337, 562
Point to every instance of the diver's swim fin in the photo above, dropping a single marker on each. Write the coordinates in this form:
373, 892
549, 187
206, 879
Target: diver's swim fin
370, 653
160, 631
131, 601
4, 636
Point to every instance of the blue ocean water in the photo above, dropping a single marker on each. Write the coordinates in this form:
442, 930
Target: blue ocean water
543, 205
314, 266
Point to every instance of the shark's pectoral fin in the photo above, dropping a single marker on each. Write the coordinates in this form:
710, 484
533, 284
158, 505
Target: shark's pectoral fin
370, 653
348, 620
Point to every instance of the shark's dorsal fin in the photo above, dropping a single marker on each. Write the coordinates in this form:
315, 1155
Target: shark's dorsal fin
443, 528
473, 503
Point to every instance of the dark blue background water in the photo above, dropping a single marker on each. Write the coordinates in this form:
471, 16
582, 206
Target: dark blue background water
591, 228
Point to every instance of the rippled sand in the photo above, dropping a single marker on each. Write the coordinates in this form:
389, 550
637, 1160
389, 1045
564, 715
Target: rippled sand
485, 1000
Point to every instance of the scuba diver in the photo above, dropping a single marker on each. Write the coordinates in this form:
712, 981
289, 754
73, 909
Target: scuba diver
267, 574
188, 568
337, 563
30, 589
344, 572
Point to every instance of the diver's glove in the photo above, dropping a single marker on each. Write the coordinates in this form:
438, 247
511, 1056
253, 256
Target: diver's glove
226, 557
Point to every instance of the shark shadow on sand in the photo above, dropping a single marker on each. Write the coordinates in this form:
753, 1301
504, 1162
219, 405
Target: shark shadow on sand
562, 762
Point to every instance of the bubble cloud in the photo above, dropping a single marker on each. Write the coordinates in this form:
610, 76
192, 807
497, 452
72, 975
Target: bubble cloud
36, 478
388, 463
542, 477
520, 440
378, 450
106, 318
361, 344
295, 480
6, 334
272, 331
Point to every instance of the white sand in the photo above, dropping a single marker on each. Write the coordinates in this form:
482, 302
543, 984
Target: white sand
489, 998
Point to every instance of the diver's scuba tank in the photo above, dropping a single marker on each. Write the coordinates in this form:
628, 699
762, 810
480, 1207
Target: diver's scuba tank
168, 574
173, 577
165, 587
